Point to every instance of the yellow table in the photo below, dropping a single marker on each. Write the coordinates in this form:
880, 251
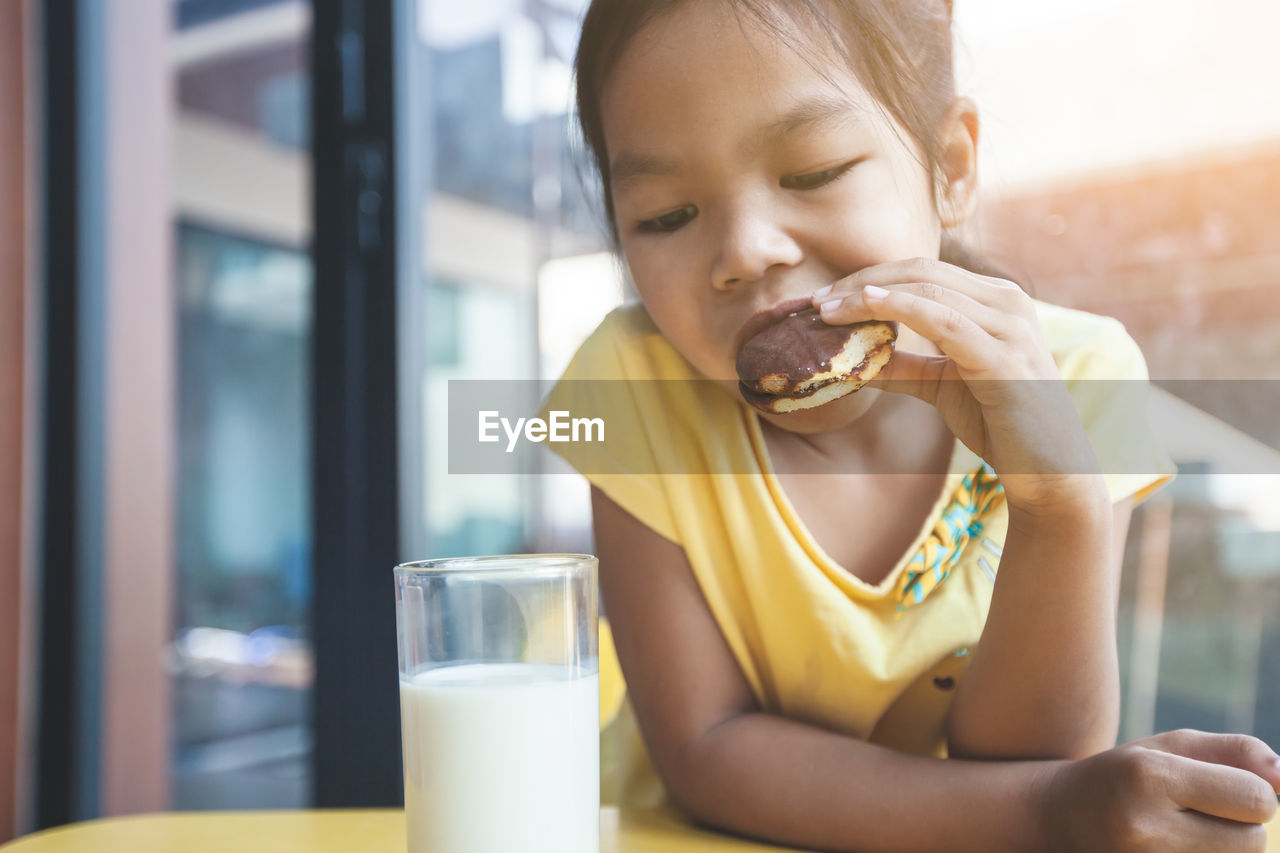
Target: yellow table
356, 831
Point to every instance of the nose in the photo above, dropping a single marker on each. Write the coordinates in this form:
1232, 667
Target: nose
751, 241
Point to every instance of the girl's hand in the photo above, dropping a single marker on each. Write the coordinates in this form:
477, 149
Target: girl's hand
995, 384
1173, 792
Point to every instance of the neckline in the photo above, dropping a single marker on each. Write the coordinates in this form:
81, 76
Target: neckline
791, 518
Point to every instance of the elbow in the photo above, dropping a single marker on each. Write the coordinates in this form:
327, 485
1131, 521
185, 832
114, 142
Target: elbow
679, 775
692, 776
691, 792
688, 803
686, 774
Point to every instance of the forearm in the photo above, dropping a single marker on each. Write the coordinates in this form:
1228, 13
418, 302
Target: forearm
1044, 680
778, 779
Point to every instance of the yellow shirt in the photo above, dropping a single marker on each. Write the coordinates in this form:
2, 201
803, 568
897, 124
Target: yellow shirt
816, 643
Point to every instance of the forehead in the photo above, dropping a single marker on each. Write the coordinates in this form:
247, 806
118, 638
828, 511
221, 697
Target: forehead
710, 74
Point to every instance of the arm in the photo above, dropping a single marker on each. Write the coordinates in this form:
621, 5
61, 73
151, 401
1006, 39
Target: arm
727, 764
1044, 681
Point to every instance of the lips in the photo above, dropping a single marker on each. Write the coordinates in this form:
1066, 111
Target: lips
766, 318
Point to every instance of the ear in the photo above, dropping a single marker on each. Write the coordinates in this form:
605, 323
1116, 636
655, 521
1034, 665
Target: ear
958, 163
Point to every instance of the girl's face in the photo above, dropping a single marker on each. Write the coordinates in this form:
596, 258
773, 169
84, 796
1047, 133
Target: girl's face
743, 180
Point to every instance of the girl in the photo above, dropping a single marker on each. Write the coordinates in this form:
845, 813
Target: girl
802, 650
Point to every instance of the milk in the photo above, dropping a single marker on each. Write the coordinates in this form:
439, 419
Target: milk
501, 758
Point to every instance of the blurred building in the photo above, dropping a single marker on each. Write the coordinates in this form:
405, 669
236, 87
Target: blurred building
1131, 162
1131, 167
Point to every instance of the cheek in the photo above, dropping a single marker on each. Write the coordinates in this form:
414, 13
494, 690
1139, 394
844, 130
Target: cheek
882, 233
665, 291
666, 275
659, 279
888, 214
685, 322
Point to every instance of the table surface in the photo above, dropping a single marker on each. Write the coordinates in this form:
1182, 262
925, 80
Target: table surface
340, 831
371, 830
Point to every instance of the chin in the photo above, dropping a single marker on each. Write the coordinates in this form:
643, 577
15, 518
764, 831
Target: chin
834, 415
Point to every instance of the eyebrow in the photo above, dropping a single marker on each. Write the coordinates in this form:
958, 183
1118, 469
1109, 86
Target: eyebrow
817, 111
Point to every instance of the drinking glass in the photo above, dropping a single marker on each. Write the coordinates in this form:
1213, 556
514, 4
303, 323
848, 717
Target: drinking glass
499, 703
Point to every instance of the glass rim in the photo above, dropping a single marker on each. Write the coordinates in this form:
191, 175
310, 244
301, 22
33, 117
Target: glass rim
518, 564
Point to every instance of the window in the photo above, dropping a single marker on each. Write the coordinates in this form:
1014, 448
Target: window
241, 656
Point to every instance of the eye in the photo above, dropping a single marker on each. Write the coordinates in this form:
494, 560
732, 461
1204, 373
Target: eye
668, 222
816, 179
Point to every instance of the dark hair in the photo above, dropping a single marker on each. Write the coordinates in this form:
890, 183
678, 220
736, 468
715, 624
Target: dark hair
900, 50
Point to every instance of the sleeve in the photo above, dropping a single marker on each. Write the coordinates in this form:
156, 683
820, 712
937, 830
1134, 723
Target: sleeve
600, 383
1107, 378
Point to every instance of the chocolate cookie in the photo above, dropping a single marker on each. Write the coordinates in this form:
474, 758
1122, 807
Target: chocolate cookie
802, 362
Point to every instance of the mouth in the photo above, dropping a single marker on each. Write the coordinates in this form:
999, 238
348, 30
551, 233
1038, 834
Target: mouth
762, 320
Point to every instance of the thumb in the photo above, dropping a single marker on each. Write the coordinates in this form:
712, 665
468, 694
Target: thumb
918, 375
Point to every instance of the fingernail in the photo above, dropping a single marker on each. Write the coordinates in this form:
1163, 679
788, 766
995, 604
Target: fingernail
873, 292
818, 294
828, 307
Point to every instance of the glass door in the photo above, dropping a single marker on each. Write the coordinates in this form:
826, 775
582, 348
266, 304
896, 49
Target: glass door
509, 266
240, 658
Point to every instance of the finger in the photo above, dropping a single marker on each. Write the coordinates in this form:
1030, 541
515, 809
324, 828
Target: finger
947, 327
993, 292
1219, 790
1242, 751
860, 306
1198, 833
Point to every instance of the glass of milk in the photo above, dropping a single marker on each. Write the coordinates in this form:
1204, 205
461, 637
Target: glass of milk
499, 703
